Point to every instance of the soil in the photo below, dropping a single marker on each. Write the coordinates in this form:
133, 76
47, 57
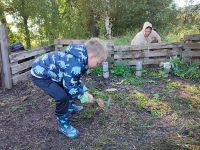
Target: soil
27, 120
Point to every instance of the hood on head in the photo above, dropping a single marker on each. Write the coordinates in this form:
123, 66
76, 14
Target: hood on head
77, 50
146, 24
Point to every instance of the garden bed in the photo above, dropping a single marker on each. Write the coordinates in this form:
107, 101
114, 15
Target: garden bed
145, 113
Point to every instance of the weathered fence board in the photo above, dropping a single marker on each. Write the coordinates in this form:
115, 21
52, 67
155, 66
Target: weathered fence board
1, 67
21, 62
7, 82
60, 43
20, 77
153, 46
145, 61
146, 53
14, 57
15, 68
195, 37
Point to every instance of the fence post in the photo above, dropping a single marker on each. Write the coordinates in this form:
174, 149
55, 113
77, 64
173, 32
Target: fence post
7, 81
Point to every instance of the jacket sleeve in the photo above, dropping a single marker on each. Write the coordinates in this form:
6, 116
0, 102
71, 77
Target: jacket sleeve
137, 40
71, 81
157, 36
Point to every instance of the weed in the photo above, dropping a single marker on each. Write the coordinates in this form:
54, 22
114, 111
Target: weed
183, 101
88, 113
153, 73
98, 93
154, 106
133, 81
157, 74
121, 69
156, 96
97, 70
181, 69
122, 99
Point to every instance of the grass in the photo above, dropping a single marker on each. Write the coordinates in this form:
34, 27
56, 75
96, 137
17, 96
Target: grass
137, 81
88, 113
155, 106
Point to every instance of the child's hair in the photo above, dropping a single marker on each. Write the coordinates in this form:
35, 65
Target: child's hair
97, 47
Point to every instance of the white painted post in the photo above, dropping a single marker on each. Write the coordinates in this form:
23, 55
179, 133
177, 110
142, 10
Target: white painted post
7, 81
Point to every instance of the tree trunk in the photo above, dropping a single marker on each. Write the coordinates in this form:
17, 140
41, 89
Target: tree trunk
25, 22
27, 33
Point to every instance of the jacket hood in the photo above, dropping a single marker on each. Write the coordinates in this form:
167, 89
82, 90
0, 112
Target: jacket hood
77, 50
146, 24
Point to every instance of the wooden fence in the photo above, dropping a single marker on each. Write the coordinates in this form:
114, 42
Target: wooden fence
16, 66
20, 62
60, 43
156, 53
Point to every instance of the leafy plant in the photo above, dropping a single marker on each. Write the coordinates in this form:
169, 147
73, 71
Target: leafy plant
181, 69
121, 69
97, 71
134, 81
88, 113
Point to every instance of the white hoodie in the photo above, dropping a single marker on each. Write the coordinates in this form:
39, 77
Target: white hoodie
139, 39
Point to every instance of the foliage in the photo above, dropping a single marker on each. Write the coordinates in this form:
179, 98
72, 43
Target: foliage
121, 69
154, 106
137, 81
98, 93
88, 113
97, 71
181, 69
152, 72
40, 22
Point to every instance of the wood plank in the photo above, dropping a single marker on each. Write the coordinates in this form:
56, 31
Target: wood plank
193, 46
1, 67
148, 61
14, 57
15, 68
21, 77
152, 46
5, 57
61, 42
68, 41
146, 53
193, 54
195, 37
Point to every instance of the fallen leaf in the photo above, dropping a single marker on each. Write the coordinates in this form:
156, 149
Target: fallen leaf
23, 98
111, 90
2, 104
100, 103
120, 82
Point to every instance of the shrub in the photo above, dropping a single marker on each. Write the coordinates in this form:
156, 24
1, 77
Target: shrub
181, 69
121, 69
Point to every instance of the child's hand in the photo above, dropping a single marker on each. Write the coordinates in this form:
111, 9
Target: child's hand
87, 98
90, 98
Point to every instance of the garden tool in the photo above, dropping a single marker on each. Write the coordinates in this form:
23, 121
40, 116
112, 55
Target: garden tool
102, 105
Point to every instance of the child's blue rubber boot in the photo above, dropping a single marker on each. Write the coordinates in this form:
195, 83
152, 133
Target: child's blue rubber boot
66, 128
73, 108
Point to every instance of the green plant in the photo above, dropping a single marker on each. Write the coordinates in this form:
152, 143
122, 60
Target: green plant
88, 113
98, 93
97, 71
157, 74
181, 69
133, 81
121, 69
156, 96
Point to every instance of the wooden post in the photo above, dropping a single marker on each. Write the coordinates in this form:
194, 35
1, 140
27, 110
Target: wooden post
7, 81
1, 67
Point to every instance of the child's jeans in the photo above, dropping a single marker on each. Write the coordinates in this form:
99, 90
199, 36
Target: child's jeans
56, 91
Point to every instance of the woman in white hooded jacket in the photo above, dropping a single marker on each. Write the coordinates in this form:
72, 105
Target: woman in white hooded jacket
147, 35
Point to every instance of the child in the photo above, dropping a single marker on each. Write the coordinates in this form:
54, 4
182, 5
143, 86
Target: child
58, 75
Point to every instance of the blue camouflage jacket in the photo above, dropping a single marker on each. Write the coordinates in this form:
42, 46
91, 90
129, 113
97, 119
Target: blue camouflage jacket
65, 67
